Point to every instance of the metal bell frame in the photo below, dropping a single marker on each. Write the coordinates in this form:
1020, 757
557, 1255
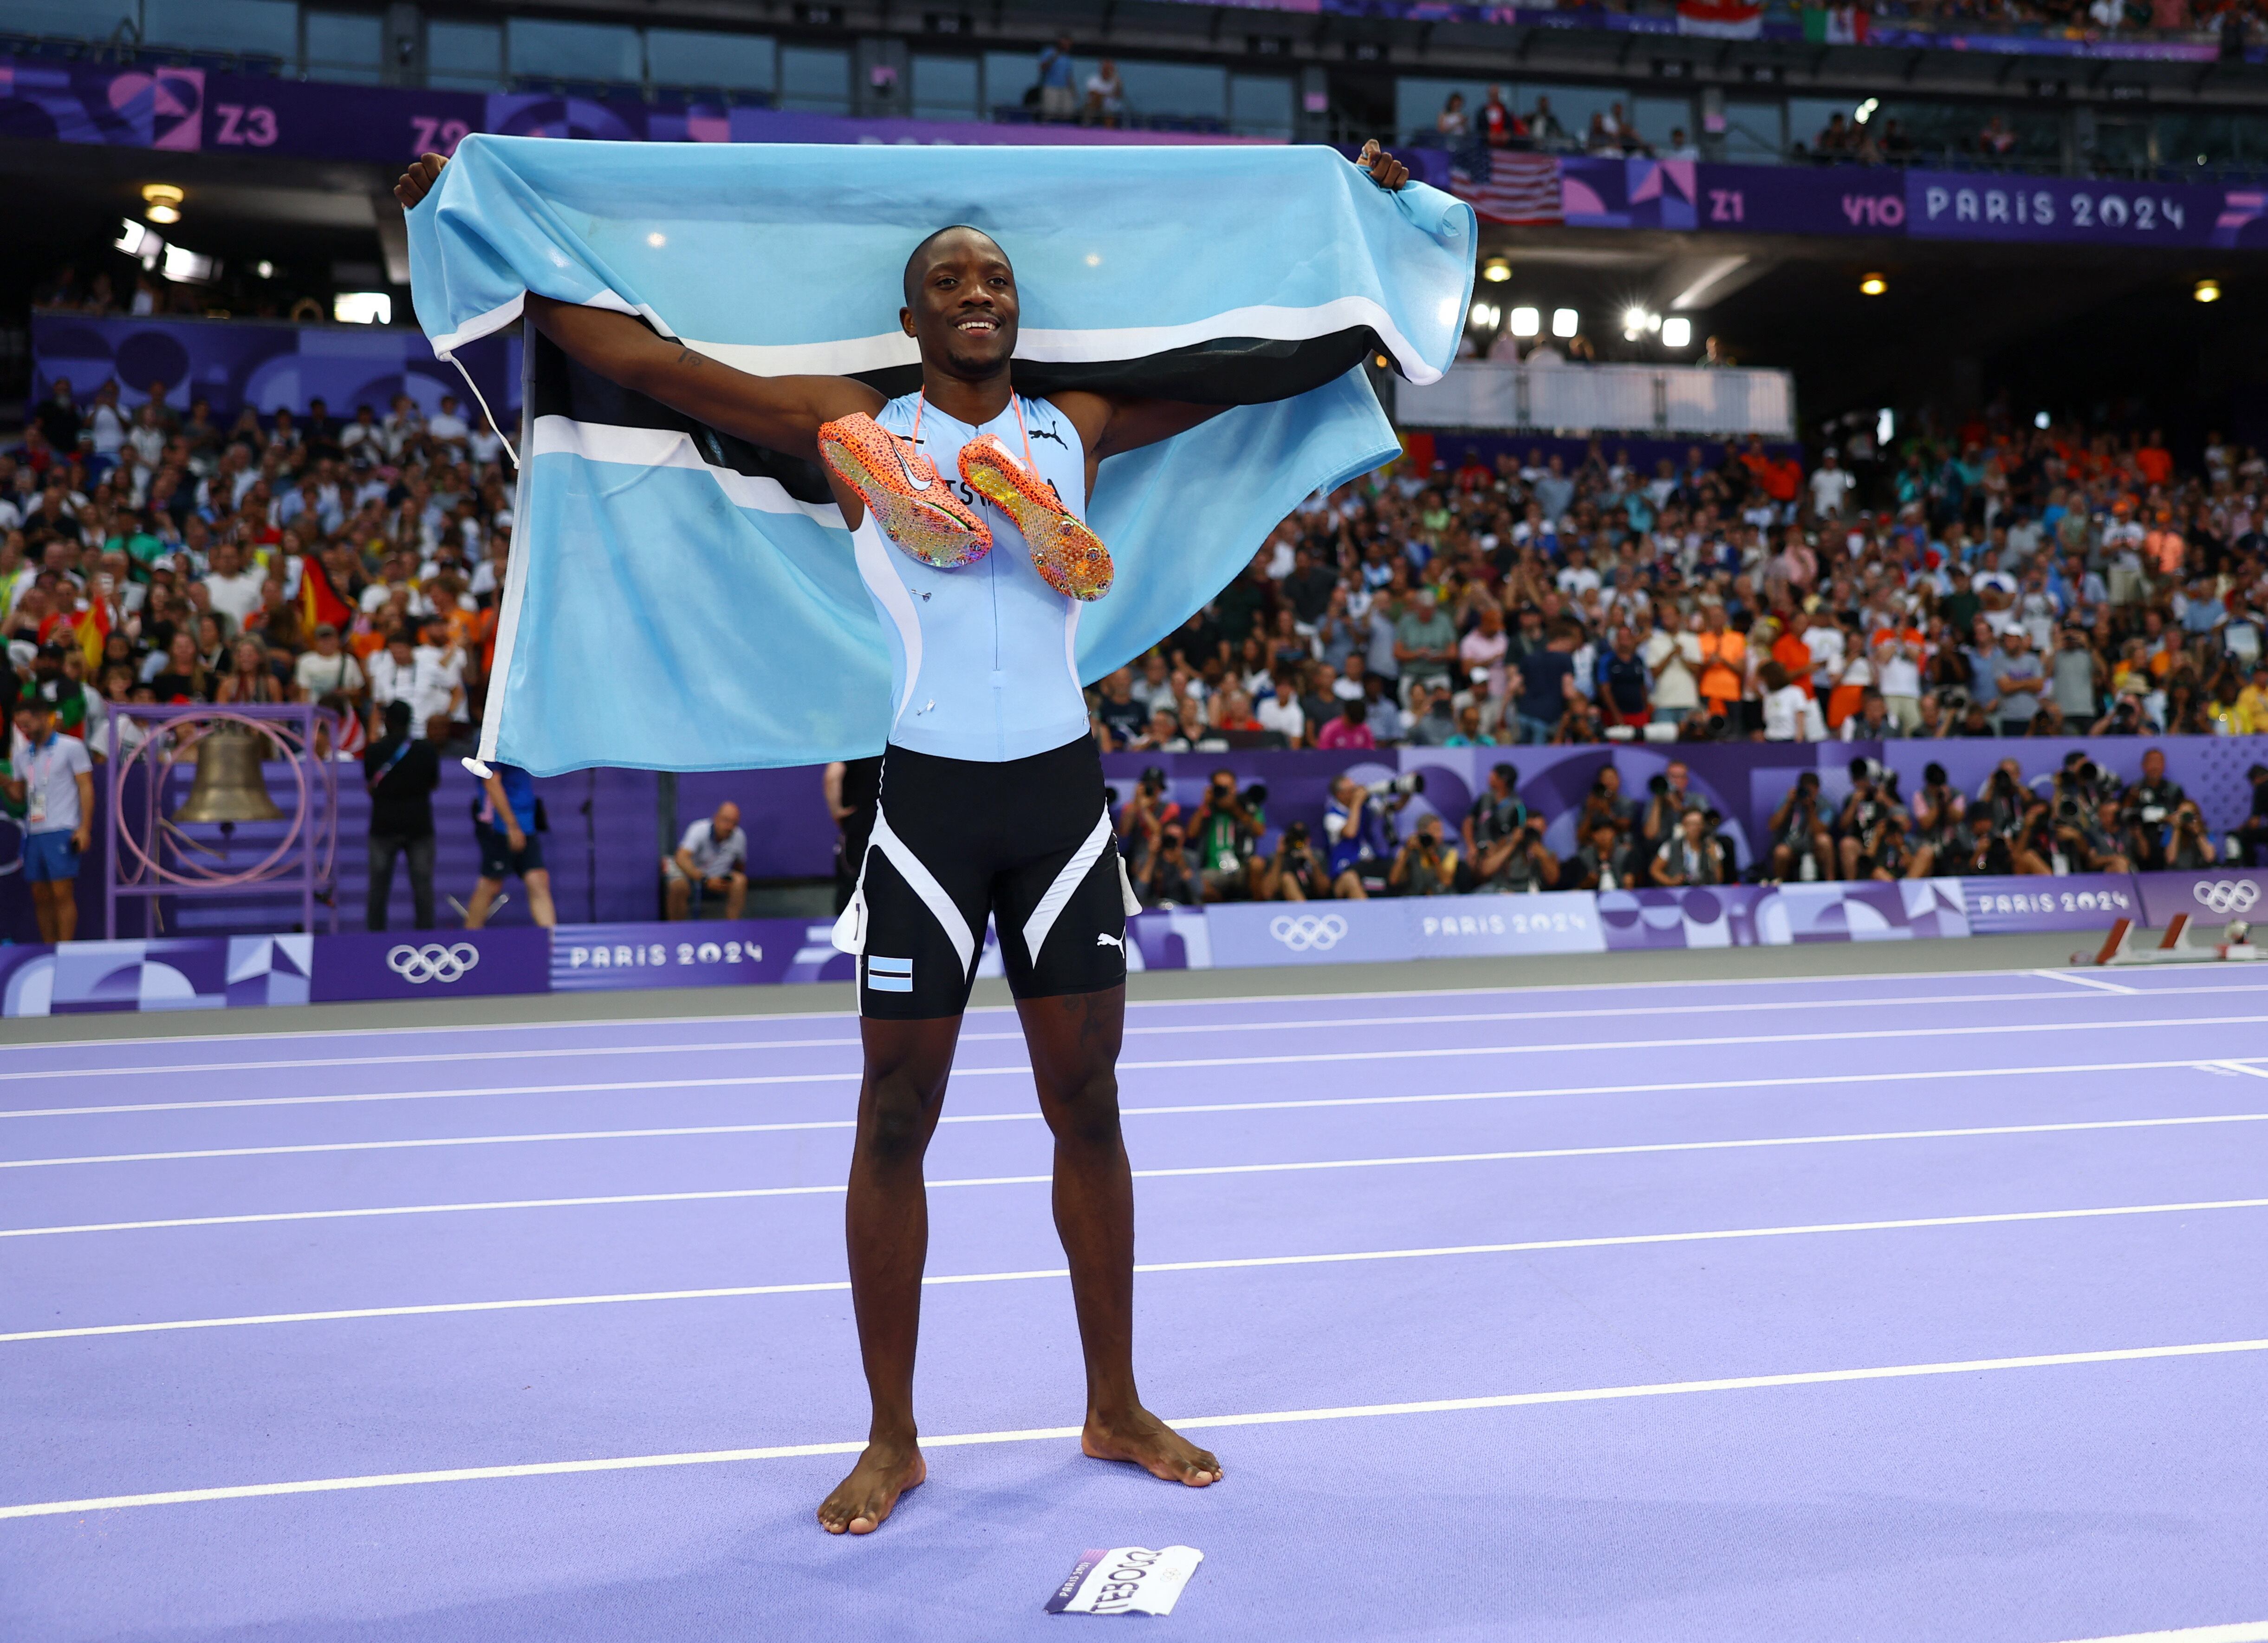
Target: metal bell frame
157, 858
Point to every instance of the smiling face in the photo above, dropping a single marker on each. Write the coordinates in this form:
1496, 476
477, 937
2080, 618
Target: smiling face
960, 302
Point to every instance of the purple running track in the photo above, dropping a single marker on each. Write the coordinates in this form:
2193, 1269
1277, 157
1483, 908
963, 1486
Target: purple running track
1786, 1181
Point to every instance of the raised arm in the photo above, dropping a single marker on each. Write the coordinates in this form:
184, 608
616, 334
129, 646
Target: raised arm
781, 414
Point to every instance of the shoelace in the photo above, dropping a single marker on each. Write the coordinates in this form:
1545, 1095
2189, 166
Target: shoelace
920, 400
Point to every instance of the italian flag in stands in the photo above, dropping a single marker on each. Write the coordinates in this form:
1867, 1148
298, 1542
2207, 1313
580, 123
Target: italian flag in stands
1835, 25
1726, 20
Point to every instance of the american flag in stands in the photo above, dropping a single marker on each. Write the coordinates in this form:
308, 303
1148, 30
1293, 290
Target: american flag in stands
1505, 185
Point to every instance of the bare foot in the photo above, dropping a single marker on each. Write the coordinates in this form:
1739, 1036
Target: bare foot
1139, 1436
862, 1499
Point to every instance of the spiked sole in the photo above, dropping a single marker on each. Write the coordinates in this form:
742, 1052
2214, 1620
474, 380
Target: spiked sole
1070, 558
938, 530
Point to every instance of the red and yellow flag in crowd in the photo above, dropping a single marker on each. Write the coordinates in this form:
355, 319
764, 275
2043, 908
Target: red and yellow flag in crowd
93, 629
319, 602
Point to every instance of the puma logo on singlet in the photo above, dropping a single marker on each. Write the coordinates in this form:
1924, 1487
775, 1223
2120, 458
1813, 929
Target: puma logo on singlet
1102, 940
1049, 433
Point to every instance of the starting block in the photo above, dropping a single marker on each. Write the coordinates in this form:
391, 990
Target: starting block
2174, 947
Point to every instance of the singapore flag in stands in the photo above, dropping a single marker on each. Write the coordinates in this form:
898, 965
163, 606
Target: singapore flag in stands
1726, 20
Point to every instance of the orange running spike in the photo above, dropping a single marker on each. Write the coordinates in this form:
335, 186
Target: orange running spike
899, 485
1070, 557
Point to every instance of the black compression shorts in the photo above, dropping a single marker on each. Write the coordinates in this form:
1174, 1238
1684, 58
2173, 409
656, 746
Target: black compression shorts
1029, 842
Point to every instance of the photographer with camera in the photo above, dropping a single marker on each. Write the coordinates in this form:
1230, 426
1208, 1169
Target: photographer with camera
1890, 853
1802, 845
2190, 850
1937, 812
1358, 825
1874, 796
1496, 814
1692, 855
1980, 850
1599, 864
1226, 830
1166, 875
2150, 805
1605, 802
1295, 873
1426, 865
1517, 863
1668, 796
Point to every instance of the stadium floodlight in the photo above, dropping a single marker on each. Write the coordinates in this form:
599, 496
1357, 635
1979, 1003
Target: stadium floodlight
2040, 419
162, 202
1565, 322
1676, 333
138, 241
2208, 290
1886, 427
1634, 319
1527, 322
264, 269
1485, 316
188, 267
1873, 285
1865, 111
363, 307
1496, 270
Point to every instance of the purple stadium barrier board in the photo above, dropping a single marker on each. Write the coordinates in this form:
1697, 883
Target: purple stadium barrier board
1394, 931
236, 972
193, 110
610, 958
2085, 901
431, 964
2211, 897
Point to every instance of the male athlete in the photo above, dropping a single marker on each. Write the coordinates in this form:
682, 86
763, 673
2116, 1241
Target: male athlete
992, 800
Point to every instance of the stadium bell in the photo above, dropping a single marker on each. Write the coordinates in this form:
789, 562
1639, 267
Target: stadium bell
228, 786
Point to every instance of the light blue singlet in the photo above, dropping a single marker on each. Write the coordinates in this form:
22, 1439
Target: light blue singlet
983, 656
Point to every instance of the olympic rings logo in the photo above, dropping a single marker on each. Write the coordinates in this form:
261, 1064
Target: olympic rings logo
2227, 896
434, 963
1307, 932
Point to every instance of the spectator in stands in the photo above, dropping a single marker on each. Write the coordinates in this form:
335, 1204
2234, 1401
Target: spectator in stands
1452, 122
1225, 829
505, 822
1059, 95
1106, 96
400, 772
51, 778
711, 859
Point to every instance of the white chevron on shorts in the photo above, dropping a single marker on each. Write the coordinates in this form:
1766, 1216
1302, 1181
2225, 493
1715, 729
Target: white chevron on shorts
900, 856
1051, 905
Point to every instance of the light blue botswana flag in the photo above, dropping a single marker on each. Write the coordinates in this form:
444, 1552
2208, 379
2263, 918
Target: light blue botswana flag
679, 599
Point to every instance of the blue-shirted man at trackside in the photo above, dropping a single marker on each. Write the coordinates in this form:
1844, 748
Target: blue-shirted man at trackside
53, 778
503, 824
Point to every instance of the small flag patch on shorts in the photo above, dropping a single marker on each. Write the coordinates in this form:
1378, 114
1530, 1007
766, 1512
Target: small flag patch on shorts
1126, 1581
889, 975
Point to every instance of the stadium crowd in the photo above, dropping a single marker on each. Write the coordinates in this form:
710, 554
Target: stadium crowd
2002, 581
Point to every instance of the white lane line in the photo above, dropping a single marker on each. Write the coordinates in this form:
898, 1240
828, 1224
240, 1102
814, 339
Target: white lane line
1403, 1018
2094, 982
2251, 1069
1183, 1063
1197, 1423
844, 1124
1229, 1263
334, 1034
1172, 1111
2242, 1631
